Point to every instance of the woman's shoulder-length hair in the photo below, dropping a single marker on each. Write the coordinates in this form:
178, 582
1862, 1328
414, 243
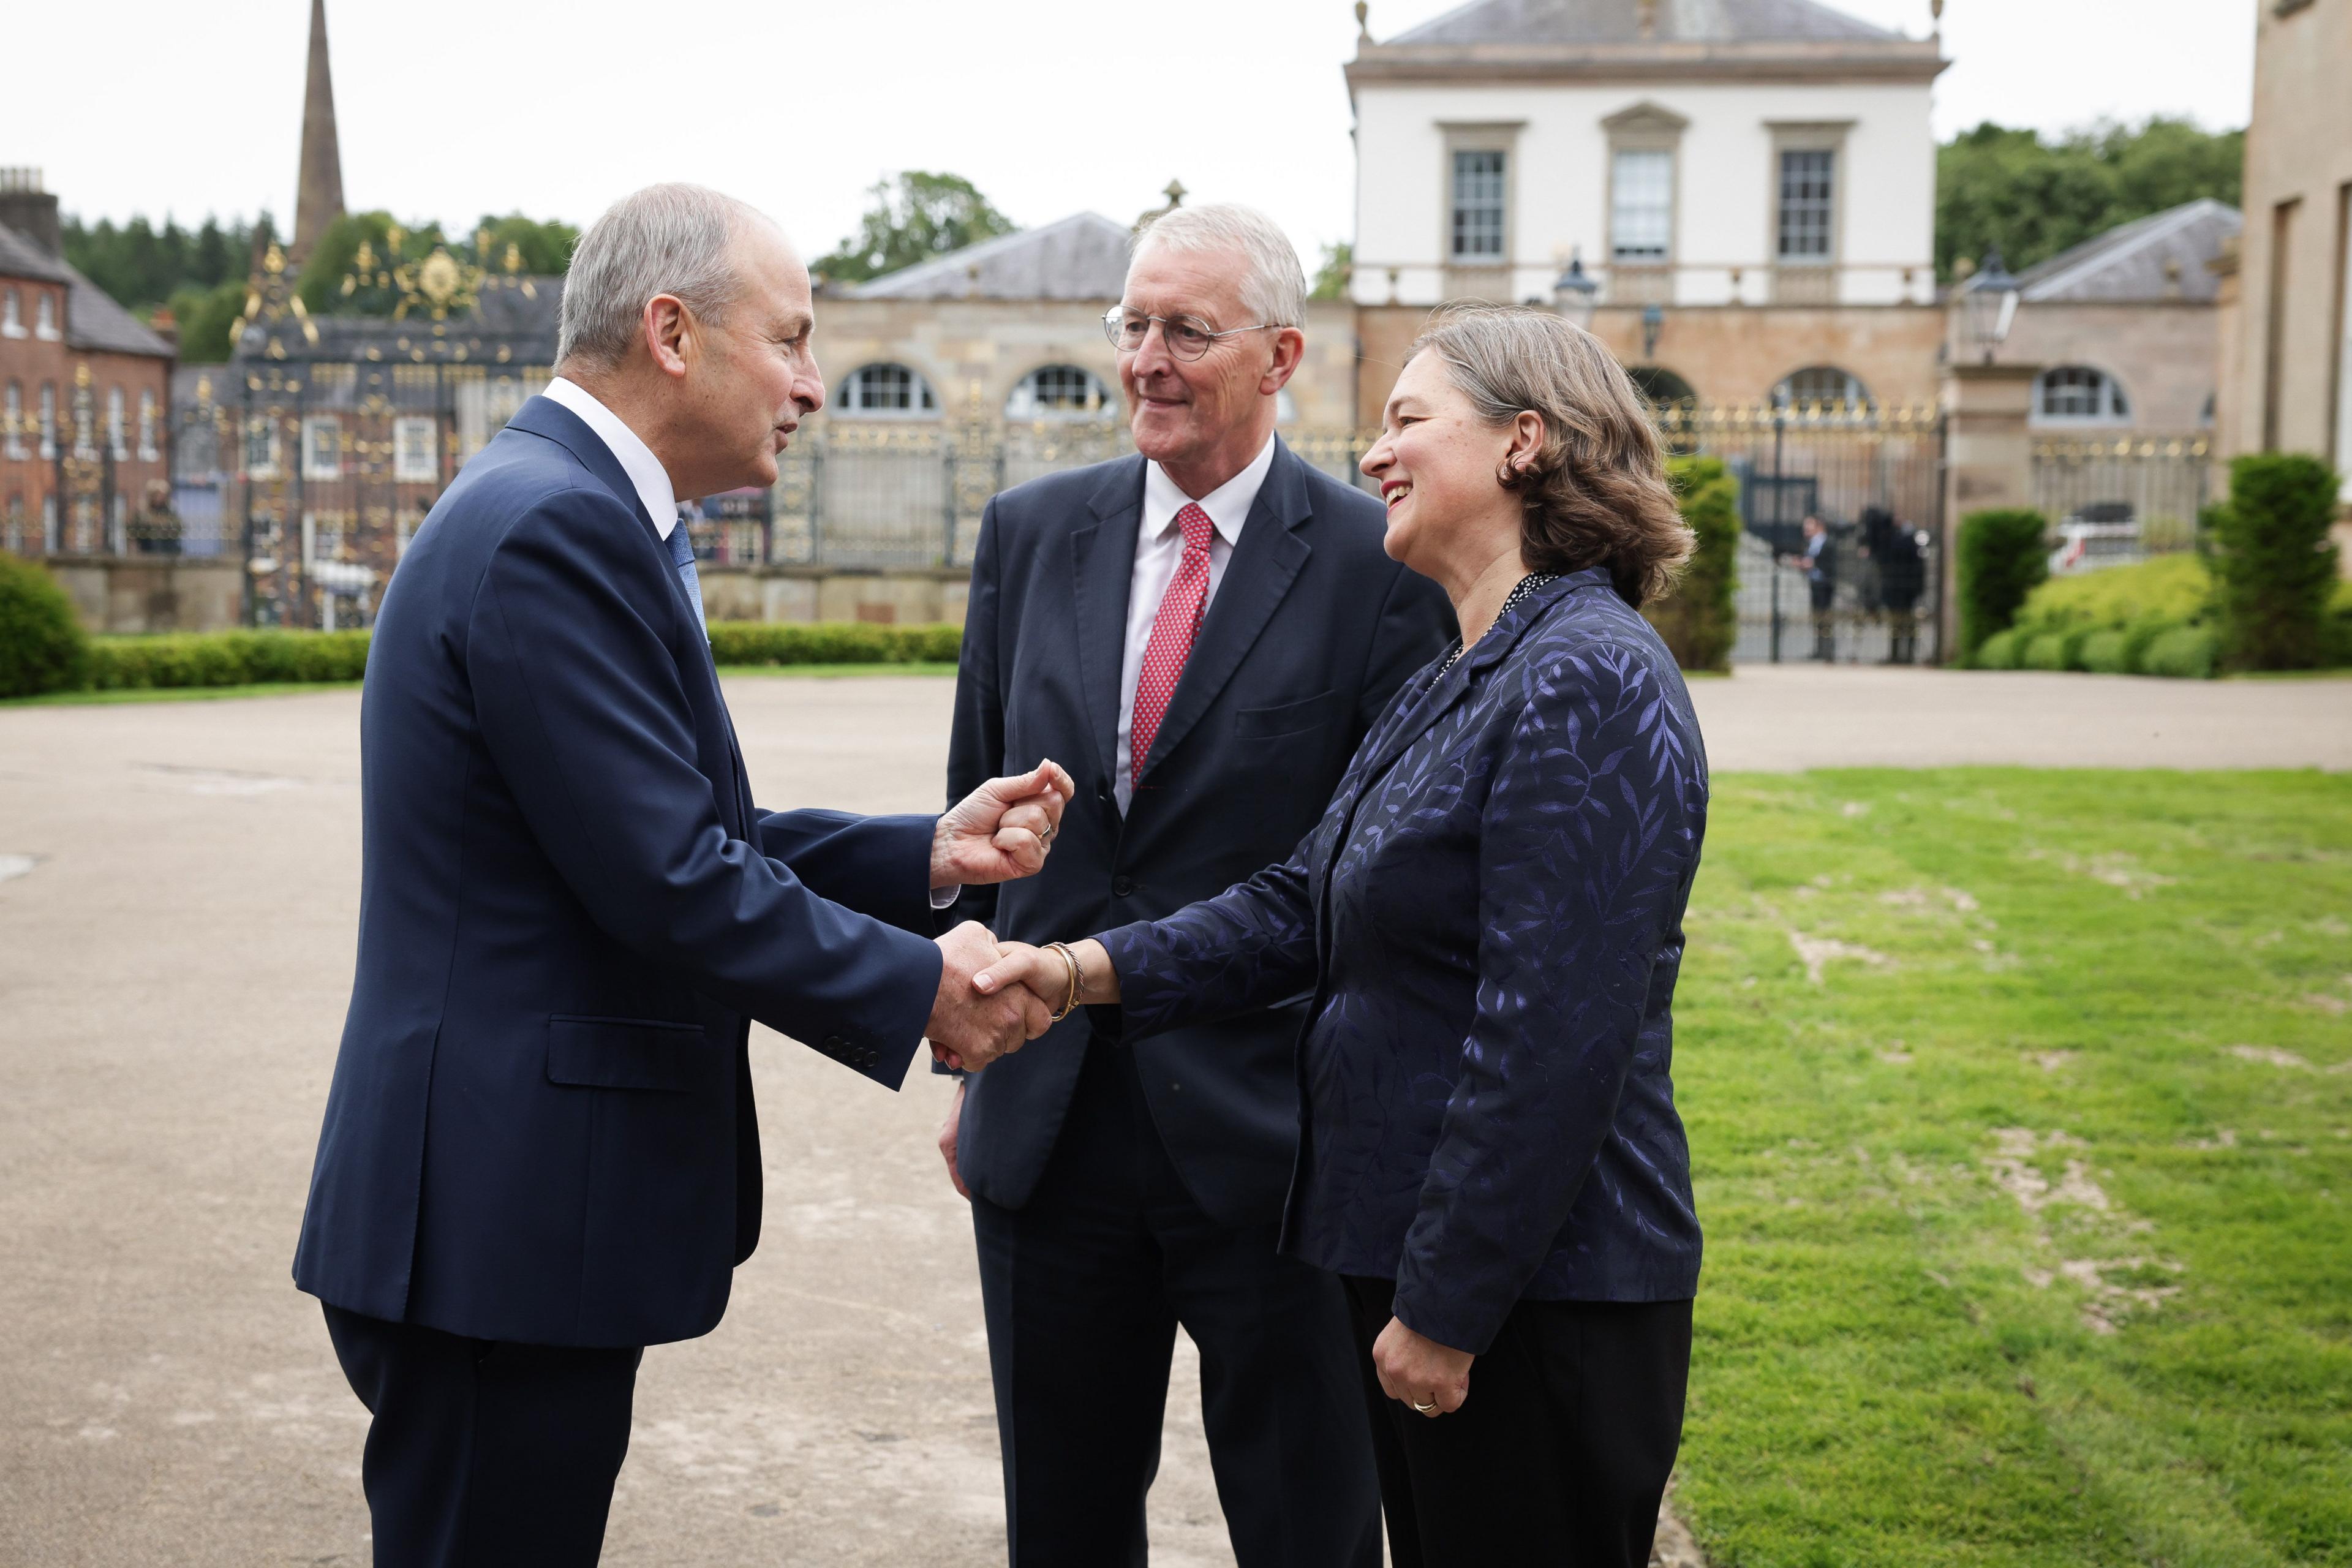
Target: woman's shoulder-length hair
1597, 492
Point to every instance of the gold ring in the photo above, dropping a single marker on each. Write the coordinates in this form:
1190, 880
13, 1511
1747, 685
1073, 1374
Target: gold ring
1422, 1409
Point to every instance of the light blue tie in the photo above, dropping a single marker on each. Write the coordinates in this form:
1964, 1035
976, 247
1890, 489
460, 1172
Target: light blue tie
681, 552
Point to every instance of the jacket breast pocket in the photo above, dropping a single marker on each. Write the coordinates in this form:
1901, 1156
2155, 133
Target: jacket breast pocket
1314, 712
632, 1053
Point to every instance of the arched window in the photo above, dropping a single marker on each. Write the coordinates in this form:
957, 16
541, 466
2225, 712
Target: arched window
2077, 394
12, 421
1662, 387
48, 420
114, 442
147, 425
886, 391
45, 315
1823, 385
12, 314
1061, 392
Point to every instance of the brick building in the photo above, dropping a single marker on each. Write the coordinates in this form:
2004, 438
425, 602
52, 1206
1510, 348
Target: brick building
84, 390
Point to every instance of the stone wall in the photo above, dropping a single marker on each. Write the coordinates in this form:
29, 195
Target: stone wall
928, 597
152, 594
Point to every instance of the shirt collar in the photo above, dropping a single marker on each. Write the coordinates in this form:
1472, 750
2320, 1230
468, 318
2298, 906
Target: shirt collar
645, 472
1228, 505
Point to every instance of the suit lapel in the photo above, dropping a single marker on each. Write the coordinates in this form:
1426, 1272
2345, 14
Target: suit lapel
1102, 567
1264, 563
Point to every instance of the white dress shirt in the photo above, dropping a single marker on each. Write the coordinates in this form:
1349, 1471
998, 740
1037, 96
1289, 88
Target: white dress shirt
636, 460
1159, 547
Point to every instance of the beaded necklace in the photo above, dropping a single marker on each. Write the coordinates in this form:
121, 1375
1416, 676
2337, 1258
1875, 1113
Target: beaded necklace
1527, 585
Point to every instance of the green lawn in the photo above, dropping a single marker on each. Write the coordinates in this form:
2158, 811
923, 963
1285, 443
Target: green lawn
2029, 1210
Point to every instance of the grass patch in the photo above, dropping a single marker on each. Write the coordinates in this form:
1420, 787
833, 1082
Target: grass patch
176, 693
2022, 1106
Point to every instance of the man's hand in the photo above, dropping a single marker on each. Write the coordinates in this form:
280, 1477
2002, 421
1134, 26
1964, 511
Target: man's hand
1002, 829
967, 1029
1430, 1378
948, 1131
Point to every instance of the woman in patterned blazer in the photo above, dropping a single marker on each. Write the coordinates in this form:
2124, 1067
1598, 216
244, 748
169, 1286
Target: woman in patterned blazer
1489, 917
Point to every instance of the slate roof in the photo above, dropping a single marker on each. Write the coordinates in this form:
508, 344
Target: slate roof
2129, 262
1082, 257
94, 323
1619, 22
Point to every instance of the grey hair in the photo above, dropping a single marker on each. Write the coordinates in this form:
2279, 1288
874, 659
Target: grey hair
675, 239
1273, 284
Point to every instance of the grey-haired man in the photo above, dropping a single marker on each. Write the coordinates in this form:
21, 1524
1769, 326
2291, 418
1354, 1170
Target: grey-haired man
1203, 632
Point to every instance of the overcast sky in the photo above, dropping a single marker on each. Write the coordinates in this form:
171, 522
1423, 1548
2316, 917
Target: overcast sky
1049, 106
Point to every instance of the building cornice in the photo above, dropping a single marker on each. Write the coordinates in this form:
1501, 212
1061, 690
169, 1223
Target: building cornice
1902, 60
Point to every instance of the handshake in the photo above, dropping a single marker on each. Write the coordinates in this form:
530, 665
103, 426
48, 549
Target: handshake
1002, 831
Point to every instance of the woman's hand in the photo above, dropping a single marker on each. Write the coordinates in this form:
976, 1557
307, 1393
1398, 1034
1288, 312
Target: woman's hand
1432, 1378
1048, 974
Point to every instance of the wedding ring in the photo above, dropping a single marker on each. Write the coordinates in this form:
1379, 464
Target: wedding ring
1424, 1409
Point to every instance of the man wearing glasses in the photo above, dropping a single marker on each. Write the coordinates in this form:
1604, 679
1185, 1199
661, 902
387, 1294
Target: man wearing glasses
1203, 631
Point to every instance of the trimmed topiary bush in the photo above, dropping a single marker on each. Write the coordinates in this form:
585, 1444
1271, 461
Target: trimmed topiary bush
1700, 619
2002, 555
2002, 651
2048, 650
2185, 653
2273, 563
2107, 652
2174, 588
2339, 627
42, 644
774, 643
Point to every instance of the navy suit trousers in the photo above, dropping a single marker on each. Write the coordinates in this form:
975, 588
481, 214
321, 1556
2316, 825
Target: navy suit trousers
1084, 1288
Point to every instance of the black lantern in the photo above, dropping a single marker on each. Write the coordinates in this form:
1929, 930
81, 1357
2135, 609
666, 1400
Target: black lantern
1574, 292
1989, 299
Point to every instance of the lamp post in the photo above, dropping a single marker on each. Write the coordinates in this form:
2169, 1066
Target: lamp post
1989, 301
1575, 292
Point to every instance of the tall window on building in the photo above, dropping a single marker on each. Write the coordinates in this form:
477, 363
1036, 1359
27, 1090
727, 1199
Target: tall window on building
12, 314
2077, 394
415, 457
1479, 205
48, 420
17, 541
322, 448
261, 447
12, 421
115, 443
44, 318
1808, 205
147, 451
887, 391
1061, 392
1641, 206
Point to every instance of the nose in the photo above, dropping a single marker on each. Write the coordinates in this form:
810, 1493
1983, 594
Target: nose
808, 388
1151, 356
1379, 460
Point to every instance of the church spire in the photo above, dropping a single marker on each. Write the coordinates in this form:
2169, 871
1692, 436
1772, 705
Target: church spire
319, 198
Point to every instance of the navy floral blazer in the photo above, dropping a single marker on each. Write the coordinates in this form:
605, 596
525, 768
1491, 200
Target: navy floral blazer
1489, 917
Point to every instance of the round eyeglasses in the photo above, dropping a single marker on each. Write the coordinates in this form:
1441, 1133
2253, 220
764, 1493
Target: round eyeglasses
1186, 337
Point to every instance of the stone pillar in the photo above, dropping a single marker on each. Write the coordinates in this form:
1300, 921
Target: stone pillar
1988, 461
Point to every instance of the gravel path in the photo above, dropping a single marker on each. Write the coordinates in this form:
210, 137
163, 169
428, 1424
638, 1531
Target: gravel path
177, 889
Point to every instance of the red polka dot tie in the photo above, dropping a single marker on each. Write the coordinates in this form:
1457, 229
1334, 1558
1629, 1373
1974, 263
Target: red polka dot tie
1173, 627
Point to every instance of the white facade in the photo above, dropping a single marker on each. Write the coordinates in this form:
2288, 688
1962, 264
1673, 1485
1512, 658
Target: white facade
1723, 144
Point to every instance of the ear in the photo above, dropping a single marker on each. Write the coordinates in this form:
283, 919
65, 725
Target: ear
669, 331
1526, 441
1289, 348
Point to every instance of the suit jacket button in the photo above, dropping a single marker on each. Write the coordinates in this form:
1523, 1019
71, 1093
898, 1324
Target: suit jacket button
835, 1046
1122, 886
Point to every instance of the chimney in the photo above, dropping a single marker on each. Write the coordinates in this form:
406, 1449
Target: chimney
318, 195
30, 210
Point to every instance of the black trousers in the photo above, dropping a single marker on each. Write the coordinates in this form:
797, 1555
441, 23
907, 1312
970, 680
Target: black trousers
483, 1454
1084, 1289
1559, 1456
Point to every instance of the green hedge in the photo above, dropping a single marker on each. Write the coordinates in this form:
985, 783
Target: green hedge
2273, 563
1700, 619
226, 659
42, 646
833, 642
2186, 653
2002, 555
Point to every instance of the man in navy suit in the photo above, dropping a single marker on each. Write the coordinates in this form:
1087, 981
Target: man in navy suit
1204, 631
540, 1153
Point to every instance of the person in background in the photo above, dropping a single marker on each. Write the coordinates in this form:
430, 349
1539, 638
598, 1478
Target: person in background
1820, 583
1892, 548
